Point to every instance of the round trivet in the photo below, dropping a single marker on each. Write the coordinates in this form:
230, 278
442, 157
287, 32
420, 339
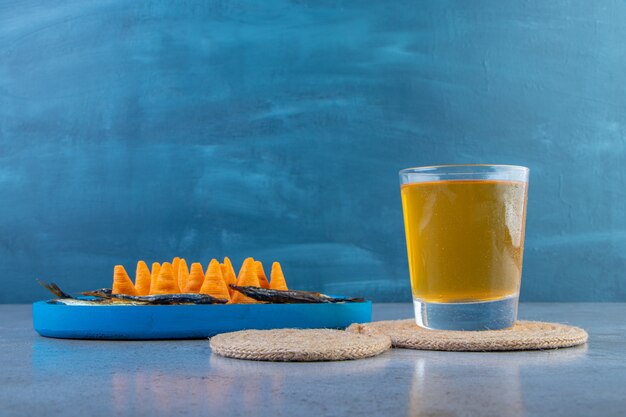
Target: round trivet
524, 335
298, 345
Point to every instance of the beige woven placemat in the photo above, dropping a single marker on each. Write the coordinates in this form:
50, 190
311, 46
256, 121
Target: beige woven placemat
525, 335
298, 345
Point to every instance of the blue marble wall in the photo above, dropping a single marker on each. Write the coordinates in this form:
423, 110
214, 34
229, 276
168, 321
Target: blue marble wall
144, 130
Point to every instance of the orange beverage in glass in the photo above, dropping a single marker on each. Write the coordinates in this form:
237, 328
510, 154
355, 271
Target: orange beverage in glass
464, 229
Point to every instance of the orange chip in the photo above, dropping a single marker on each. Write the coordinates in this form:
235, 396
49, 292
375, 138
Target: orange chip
246, 262
277, 281
213, 283
228, 272
196, 278
121, 282
175, 263
260, 273
165, 284
142, 278
156, 268
228, 263
183, 274
248, 278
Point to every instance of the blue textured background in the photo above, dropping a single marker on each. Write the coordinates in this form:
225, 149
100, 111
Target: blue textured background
276, 129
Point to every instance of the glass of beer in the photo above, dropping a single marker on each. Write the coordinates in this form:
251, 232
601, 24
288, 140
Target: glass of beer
464, 229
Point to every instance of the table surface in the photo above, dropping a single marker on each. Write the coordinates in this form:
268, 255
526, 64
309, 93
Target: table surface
42, 376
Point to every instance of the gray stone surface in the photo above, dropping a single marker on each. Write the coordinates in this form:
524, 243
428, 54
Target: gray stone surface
44, 377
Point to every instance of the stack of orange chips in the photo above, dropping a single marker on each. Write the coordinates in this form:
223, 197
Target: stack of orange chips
175, 277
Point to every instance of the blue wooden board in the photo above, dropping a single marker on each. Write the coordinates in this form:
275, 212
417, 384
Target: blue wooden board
188, 321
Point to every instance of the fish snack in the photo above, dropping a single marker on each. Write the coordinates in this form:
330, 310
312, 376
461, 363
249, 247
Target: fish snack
174, 283
291, 296
105, 296
160, 299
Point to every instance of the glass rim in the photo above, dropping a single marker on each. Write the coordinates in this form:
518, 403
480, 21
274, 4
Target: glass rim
424, 170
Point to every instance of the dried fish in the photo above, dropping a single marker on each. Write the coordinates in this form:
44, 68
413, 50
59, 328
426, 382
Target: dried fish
98, 293
163, 299
291, 296
54, 289
104, 296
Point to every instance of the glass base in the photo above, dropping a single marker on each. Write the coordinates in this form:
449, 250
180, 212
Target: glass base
482, 315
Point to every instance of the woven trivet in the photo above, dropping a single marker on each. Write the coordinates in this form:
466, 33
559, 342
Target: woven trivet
525, 335
296, 345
